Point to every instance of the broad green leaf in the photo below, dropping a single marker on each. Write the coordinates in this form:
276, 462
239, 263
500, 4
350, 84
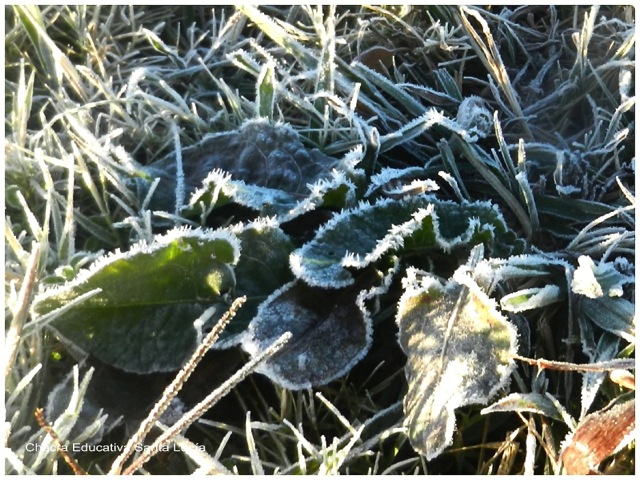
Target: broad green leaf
142, 318
262, 269
358, 237
331, 333
459, 351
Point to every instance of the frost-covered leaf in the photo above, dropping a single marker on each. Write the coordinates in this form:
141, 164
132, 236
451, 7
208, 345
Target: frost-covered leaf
607, 349
474, 118
432, 118
142, 318
459, 351
90, 423
262, 269
358, 237
331, 333
531, 298
525, 402
261, 165
399, 182
526, 266
615, 315
66, 418
219, 188
596, 281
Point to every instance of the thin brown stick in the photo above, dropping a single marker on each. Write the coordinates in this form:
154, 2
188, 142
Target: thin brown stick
175, 386
541, 363
77, 469
196, 412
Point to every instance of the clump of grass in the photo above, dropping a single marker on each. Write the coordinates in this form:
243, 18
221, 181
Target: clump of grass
98, 93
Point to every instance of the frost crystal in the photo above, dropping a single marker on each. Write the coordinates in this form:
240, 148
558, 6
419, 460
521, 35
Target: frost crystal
474, 118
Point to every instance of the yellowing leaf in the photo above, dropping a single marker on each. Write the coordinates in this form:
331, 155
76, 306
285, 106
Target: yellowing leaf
459, 349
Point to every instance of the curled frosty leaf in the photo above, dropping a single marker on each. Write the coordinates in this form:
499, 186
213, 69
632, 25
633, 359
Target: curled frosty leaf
219, 188
474, 118
358, 237
399, 182
596, 281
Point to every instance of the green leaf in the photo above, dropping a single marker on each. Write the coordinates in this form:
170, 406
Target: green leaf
55, 64
615, 315
358, 237
525, 402
459, 351
266, 91
530, 298
142, 318
31, 19
262, 269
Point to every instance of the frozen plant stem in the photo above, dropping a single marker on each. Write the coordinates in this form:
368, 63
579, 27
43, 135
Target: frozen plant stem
196, 412
615, 364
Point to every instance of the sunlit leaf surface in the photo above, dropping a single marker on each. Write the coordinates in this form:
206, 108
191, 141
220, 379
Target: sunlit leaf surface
142, 318
458, 348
